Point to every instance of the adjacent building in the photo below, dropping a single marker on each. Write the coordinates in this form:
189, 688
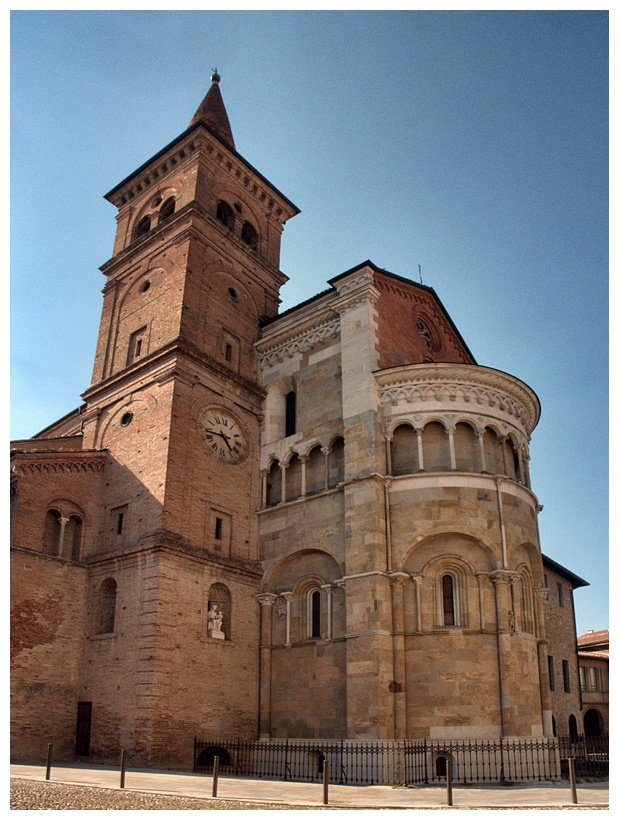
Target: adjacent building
593, 657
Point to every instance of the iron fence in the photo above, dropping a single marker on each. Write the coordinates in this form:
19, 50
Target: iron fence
405, 762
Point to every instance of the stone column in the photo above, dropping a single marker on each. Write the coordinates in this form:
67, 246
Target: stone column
452, 448
398, 684
388, 440
328, 588
481, 576
419, 432
520, 475
502, 440
303, 460
264, 474
502, 593
266, 601
325, 451
63, 523
482, 452
287, 596
282, 467
417, 580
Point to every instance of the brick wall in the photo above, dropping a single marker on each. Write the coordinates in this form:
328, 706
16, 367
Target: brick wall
47, 628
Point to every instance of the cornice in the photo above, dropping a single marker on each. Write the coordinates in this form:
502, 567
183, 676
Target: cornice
199, 140
91, 461
431, 383
155, 170
298, 337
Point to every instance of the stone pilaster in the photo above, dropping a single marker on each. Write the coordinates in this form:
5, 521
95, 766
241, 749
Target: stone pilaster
398, 684
266, 601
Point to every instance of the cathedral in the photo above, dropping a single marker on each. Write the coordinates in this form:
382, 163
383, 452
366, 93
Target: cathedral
315, 524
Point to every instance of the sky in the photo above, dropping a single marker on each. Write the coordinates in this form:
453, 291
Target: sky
472, 145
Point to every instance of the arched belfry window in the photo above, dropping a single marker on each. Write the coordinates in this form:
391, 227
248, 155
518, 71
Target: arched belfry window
225, 214
167, 209
51, 536
291, 413
249, 235
142, 227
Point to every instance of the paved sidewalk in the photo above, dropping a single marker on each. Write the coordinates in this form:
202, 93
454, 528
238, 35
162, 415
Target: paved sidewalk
185, 784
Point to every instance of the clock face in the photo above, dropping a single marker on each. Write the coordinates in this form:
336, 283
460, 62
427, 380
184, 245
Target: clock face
223, 436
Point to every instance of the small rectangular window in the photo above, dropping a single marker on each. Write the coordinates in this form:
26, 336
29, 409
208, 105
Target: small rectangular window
137, 345
560, 594
566, 676
119, 523
228, 352
218, 532
551, 672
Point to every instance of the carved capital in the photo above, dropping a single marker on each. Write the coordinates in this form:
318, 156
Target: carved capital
266, 598
502, 576
398, 579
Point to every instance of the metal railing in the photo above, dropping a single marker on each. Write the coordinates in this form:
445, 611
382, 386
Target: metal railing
405, 762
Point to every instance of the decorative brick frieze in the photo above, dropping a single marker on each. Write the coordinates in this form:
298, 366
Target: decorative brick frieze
47, 463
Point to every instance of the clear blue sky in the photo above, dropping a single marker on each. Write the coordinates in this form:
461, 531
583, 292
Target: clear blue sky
471, 143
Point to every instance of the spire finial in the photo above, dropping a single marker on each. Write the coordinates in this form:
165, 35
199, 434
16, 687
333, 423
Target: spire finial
212, 112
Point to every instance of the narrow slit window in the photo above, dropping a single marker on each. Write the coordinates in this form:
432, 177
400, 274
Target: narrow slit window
315, 614
291, 413
449, 611
551, 673
219, 528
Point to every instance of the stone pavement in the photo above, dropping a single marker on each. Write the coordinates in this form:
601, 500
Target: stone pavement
546, 795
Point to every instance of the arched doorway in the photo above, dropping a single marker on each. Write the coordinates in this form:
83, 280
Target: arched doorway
594, 723
572, 728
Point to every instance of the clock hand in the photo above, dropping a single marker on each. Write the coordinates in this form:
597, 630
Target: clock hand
222, 435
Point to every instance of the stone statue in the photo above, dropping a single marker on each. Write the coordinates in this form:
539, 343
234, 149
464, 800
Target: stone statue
512, 621
214, 623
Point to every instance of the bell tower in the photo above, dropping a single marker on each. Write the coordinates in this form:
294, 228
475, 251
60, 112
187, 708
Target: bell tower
176, 403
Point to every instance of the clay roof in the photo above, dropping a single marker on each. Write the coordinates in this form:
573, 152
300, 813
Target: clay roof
593, 638
574, 579
212, 111
603, 655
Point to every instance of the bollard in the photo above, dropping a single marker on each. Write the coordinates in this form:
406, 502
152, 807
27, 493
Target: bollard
325, 782
215, 774
572, 768
48, 771
450, 799
122, 769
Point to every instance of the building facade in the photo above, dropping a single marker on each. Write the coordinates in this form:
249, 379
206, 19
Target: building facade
593, 658
314, 524
563, 660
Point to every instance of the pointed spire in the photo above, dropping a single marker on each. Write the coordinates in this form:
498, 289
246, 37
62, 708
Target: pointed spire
212, 111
